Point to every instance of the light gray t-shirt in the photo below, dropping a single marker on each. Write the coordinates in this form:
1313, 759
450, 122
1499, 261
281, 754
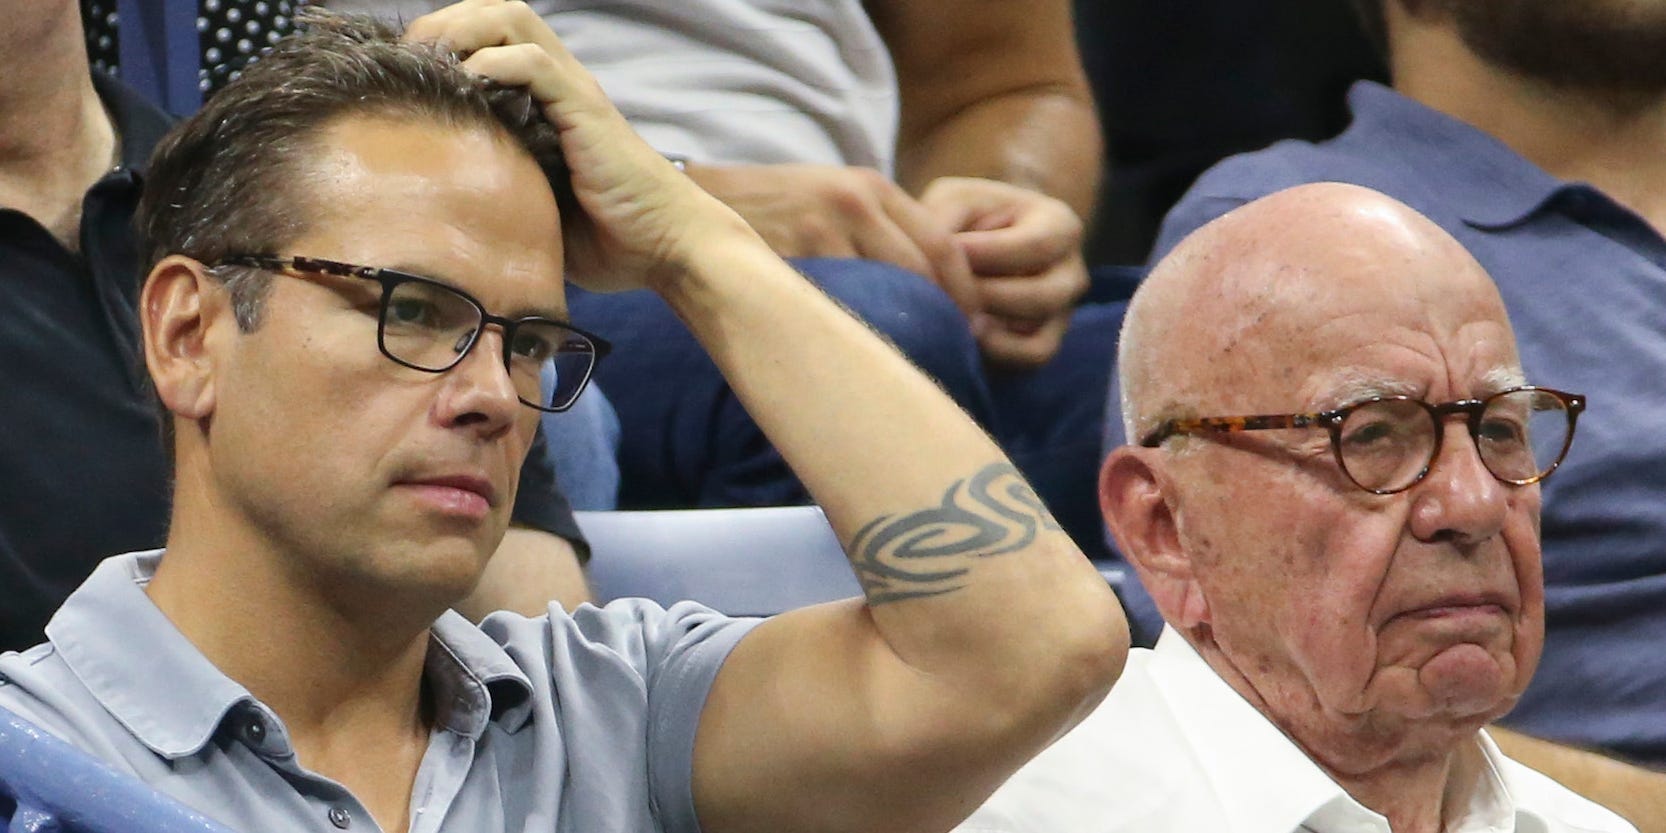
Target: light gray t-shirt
579, 723
731, 81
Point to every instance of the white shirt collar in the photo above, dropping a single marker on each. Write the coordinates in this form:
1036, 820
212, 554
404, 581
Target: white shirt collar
1264, 779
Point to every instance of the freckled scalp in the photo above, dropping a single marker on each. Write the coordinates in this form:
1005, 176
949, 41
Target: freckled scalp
1234, 307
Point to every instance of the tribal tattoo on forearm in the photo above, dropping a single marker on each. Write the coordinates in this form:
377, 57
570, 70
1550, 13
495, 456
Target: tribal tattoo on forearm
928, 553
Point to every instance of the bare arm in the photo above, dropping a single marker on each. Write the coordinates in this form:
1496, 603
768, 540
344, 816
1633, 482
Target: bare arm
986, 632
1000, 140
992, 89
1637, 794
530, 569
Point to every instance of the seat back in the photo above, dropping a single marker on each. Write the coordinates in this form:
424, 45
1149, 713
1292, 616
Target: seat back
48, 786
744, 562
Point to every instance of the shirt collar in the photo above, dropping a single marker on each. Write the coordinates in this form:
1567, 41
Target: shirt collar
1267, 781
1260, 776
139, 124
1489, 185
143, 671
474, 680
157, 684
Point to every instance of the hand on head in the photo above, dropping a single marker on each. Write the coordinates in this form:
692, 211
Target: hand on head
641, 218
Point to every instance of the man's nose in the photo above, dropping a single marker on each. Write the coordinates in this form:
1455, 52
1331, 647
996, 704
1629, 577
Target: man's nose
477, 390
1459, 500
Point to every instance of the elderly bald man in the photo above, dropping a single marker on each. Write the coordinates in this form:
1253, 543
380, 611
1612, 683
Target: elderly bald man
1335, 505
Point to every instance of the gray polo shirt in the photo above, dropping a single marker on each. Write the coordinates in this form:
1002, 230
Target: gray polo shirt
567, 723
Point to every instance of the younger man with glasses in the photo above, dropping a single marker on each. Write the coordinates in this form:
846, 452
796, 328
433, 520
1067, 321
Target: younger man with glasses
358, 255
1349, 573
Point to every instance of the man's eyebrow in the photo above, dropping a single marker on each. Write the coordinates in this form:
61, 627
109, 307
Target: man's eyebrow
557, 313
1357, 386
552, 313
1501, 378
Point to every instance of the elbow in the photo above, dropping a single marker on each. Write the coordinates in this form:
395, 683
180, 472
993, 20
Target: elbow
1086, 656
1069, 662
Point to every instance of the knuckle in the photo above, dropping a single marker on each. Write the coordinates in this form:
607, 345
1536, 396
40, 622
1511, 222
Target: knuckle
816, 236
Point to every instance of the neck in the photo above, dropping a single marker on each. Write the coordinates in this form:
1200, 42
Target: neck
55, 138
1418, 796
305, 645
339, 661
1611, 141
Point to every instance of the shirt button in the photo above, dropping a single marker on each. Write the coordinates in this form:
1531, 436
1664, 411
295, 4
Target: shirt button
339, 818
255, 732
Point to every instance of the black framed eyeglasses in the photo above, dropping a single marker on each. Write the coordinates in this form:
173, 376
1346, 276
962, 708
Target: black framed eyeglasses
426, 325
1387, 444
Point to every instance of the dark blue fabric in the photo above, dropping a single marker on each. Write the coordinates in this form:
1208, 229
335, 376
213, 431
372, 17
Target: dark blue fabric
1052, 418
686, 441
1584, 280
160, 55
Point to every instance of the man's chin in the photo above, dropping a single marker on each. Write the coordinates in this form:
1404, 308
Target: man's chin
1468, 681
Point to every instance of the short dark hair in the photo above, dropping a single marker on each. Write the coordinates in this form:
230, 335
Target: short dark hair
224, 181
1372, 23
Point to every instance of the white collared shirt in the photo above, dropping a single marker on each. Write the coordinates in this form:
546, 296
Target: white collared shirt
1174, 748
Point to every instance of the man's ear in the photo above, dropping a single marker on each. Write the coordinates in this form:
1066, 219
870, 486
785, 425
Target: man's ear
1139, 502
179, 307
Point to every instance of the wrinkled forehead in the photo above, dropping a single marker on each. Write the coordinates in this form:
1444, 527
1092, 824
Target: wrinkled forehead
1359, 319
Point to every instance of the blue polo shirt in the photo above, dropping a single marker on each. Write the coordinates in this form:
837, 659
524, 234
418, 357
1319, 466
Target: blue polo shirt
1584, 280
579, 723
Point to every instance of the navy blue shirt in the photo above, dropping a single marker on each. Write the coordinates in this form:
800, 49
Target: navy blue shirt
82, 471
1584, 280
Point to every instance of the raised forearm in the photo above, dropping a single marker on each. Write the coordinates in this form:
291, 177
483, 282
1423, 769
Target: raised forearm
992, 89
924, 501
985, 630
1045, 138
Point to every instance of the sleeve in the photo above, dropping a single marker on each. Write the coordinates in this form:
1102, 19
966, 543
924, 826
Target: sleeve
540, 503
634, 669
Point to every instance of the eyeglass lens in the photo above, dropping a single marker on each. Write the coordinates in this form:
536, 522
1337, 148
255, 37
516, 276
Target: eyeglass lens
430, 326
1387, 445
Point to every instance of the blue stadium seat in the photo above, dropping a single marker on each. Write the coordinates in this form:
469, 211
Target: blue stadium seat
48, 786
744, 562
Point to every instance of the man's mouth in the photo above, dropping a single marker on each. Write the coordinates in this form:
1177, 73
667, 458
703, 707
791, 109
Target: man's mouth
466, 495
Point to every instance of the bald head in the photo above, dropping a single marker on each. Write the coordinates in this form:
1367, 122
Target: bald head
1227, 321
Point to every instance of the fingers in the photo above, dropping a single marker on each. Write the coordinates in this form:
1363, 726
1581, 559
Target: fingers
1022, 345
509, 43
1035, 242
1005, 229
1025, 249
830, 211
946, 262
1035, 296
476, 24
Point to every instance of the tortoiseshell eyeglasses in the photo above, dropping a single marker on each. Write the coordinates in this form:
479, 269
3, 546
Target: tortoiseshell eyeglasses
1387, 444
430, 326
